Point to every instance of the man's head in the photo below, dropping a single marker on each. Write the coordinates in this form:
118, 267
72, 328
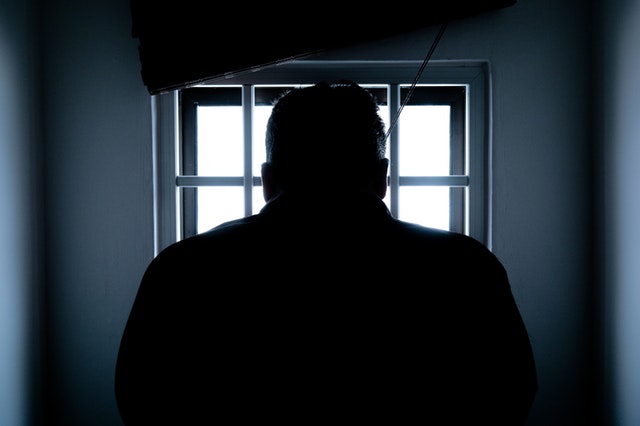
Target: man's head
330, 136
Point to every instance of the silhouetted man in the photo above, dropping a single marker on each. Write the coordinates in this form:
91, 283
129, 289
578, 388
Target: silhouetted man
323, 307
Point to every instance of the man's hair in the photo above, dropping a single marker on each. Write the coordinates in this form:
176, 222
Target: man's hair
331, 131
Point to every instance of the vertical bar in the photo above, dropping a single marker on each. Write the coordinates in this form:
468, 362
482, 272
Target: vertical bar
248, 96
189, 154
457, 212
394, 106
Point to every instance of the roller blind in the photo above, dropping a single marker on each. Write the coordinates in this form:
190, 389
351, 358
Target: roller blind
182, 43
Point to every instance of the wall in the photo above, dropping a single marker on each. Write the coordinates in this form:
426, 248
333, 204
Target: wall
98, 200
98, 209
20, 175
620, 93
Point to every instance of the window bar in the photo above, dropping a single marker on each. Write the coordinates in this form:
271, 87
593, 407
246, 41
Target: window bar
394, 105
453, 181
457, 217
188, 164
248, 95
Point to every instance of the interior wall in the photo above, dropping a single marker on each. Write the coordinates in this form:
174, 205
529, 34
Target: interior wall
20, 208
620, 64
98, 185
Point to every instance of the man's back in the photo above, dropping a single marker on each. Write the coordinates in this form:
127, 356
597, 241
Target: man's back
304, 313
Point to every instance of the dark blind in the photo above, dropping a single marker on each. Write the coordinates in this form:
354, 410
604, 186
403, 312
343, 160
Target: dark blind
184, 42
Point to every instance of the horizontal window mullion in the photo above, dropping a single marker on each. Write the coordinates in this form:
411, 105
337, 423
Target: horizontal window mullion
186, 181
195, 181
452, 180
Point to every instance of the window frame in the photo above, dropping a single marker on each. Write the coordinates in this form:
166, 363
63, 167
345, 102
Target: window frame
167, 130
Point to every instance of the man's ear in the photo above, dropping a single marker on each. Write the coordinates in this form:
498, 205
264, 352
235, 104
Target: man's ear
269, 187
380, 184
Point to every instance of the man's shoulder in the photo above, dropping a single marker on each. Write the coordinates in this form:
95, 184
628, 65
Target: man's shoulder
222, 237
435, 236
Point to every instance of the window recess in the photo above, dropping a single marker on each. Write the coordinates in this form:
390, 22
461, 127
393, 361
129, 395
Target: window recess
209, 144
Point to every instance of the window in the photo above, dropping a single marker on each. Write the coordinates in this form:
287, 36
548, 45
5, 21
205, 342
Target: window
209, 144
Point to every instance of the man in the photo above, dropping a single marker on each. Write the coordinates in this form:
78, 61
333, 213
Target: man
323, 307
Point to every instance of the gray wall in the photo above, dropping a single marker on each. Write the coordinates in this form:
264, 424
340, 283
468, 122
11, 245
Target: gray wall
20, 203
99, 230
75, 164
620, 67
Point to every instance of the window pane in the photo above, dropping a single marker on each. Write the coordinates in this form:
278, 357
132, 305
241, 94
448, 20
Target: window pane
424, 150
220, 141
217, 204
424, 147
426, 205
260, 118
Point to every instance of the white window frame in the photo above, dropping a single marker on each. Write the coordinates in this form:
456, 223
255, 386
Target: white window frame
474, 75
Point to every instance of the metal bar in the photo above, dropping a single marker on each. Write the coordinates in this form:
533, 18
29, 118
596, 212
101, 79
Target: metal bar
247, 119
195, 181
452, 181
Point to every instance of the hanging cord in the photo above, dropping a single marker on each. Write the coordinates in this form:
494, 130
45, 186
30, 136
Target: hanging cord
415, 80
